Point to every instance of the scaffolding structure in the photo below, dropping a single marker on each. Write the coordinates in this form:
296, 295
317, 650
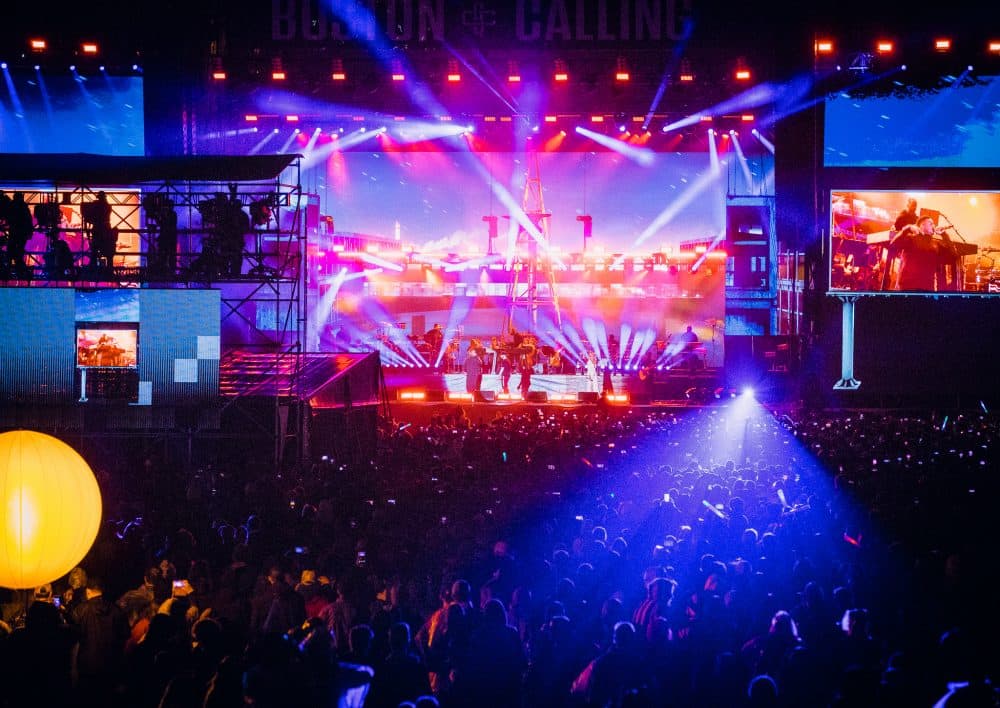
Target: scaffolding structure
260, 278
533, 285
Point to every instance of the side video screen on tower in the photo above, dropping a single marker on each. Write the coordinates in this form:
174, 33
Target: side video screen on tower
910, 242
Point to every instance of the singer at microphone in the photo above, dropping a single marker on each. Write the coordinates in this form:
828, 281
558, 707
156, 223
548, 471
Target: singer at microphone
925, 263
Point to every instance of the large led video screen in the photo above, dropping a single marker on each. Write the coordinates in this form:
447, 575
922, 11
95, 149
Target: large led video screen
928, 242
44, 111
436, 201
952, 123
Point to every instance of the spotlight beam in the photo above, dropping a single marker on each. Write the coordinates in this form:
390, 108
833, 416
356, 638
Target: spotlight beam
694, 190
744, 167
641, 156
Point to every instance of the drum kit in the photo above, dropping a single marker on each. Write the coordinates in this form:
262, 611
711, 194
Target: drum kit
985, 276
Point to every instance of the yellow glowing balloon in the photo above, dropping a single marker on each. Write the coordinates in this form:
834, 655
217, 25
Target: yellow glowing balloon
50, 509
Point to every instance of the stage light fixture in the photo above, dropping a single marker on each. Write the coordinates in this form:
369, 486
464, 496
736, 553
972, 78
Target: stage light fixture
454, 76
942, 44
292, 118
747, 117
621, 71
513, 74
337, 72
550, 119
89, 48
884, 47
397, 71
561, 74
251, 118
596, 119
37, 44
993, 46
823, 46
277, 70
686, 75
742, 71
218, 71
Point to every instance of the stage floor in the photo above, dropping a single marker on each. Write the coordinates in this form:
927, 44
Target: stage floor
665, 387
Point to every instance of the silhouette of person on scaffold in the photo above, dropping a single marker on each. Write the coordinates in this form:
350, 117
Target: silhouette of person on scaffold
16, 214
162, 256
103, 238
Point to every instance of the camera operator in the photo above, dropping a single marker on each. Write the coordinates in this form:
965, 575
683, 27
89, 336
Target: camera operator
103, 238
20, 228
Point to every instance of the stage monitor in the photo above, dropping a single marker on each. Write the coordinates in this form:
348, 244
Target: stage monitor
914, 242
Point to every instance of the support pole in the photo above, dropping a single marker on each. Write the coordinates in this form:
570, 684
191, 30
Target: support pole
847, 381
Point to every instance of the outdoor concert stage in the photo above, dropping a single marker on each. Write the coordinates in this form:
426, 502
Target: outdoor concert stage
427, 386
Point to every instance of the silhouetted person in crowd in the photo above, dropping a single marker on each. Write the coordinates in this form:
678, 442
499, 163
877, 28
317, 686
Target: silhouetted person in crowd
38, 662
103, 630
402, 676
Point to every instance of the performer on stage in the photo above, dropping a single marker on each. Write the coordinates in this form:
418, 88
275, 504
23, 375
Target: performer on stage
473, 368
591, 374
449, 359
506, 369
527, 366
434, 336
690, 342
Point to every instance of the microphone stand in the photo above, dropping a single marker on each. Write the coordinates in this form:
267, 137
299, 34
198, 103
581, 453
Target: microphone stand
949, 225
959, 266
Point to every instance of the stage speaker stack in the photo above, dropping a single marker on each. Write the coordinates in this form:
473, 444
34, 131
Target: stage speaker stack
486, 396
588, 396
537, 397
435, 396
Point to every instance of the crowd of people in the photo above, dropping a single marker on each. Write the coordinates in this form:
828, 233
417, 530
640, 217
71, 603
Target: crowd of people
721, 556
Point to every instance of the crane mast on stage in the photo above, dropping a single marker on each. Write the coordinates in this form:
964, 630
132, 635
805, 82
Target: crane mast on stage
533, 284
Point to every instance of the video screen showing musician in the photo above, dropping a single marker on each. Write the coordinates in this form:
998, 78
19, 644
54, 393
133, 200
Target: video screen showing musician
891, 242
106, 348
917, 260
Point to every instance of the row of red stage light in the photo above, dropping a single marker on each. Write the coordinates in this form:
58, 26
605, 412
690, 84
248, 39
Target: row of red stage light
560, 73
886, 47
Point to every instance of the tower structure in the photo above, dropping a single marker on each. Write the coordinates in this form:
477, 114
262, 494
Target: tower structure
532, 286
